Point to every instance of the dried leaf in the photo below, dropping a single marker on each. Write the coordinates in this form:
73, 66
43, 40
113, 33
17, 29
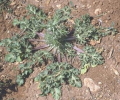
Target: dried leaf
71, 21
115, 71
94, 42
13, 3
100, 50
111, 52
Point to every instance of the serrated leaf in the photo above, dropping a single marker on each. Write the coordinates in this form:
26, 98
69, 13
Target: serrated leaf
36, 79
91, 57
55, 75
56, 93
56, 37
16, 22
75, 81
20, 80
10, 57
18, 59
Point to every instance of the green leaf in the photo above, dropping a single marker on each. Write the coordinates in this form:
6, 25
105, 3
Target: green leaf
18, 59
56, 93
84, 68
56, 74
59, 37
75, 81
10, 57
36, 79
91, 57
20, 80
16, 22
93, 65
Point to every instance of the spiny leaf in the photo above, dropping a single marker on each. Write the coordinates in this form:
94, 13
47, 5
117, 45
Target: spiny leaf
75, 81
20, 81
56, 93
91, 57
55, 75
10, 57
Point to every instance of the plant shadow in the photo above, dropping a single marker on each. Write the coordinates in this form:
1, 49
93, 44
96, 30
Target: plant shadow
7, 88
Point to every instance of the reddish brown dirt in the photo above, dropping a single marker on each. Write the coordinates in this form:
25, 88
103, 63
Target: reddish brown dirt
106, 76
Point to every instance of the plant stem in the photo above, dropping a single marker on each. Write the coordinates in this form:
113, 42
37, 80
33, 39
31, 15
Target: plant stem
41, 47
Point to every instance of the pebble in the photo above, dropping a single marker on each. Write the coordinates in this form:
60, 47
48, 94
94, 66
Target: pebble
9, 64
16, 63
58, 6
100, 96
37, 0
111, 11
31, 81
37, 95
108, 18
88, 82
1, 49
88, 6
101, 3
97, 11
99, 83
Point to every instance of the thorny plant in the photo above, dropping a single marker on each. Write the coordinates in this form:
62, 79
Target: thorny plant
50, 41
56, 74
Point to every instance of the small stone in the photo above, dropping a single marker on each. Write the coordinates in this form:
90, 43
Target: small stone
1, 49
99, 83
31, 81
97, 11
106, 21
21, 62
109, 18
97, 95
37, 0
37, 95
115, 71
100, 96
8, 31
88, 82
9, 64
58, 6
9, 91
105, 67
16, 63
94, 3
111, 11
88, 6
101, 3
